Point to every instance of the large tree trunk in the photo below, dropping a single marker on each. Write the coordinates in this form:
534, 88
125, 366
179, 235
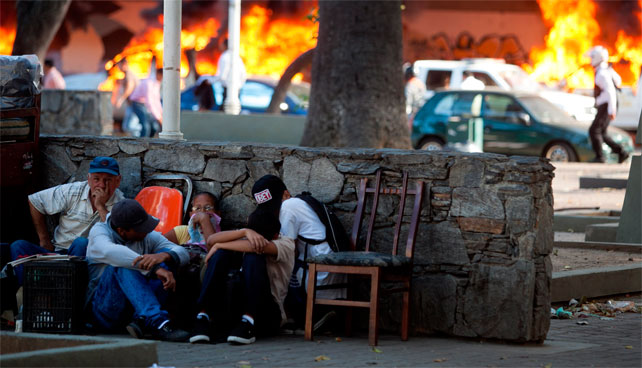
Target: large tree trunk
38, 22
357, 97
286, 79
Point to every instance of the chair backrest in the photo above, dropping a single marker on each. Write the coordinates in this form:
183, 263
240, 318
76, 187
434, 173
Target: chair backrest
164, 203
376, 191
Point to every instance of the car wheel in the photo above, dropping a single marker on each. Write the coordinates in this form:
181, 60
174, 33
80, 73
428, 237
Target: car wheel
560, 152
431, 144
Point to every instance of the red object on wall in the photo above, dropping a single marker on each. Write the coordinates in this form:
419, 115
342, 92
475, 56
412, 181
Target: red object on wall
164, 203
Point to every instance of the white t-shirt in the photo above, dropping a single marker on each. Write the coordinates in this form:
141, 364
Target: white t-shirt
299, 219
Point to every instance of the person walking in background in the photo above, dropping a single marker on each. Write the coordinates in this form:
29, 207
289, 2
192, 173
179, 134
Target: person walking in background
606, 82
52, 79
146, 104
415, 91
122, 93
224, 68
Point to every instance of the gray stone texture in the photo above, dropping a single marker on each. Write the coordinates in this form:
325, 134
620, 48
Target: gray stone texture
482, 266
76, 112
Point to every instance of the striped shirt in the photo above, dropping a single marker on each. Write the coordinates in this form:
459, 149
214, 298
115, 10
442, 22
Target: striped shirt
72, 202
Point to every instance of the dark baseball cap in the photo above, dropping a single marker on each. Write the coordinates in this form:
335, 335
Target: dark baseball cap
103, 164
129, 214
268, 188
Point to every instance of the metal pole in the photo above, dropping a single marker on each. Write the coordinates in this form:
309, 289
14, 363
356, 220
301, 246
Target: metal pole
171, 70
232, 105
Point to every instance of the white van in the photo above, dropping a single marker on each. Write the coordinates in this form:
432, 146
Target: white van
496, 73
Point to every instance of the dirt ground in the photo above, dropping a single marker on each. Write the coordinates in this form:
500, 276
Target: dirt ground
567, 259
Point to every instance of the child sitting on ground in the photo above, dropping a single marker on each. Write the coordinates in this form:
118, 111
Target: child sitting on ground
204, 221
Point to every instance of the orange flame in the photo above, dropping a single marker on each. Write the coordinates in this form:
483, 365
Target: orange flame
7, 36
573, 32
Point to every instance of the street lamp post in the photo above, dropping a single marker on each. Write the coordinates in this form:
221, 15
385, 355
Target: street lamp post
171, 128
232, 105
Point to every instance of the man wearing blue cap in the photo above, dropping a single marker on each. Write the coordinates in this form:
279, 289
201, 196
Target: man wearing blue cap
80, 205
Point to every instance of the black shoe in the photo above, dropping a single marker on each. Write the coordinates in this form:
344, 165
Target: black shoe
168, 333
622, 156
242, 334
136, 328
598, 160
201, 331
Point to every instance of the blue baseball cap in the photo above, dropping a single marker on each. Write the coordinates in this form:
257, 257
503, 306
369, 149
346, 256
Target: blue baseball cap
103, 164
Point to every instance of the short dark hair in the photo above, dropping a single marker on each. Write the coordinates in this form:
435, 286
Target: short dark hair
49, 62
264, 222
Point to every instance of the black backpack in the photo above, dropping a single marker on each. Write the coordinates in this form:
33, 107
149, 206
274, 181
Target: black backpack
335, 233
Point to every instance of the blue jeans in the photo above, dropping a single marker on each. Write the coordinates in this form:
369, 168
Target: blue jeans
121, 293
23, 248
147, 121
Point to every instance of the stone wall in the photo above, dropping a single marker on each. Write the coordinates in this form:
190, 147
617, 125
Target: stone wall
76, 112
482, 266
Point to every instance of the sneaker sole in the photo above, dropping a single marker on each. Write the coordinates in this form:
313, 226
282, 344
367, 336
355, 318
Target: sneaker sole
199, 338
240, 340
135, 331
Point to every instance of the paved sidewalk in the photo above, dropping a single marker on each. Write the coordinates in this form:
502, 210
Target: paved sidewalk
613, 343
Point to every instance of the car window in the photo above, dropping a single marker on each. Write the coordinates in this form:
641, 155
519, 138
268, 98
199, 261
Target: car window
484, 77
504, 108
545, 111
256, 95
445, 105
455, 104
438, 79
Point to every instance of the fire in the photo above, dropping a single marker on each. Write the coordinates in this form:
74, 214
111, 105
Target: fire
7, 36
573, 32
267, 47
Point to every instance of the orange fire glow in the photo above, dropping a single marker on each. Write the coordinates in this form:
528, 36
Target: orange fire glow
573, 32
7, 36
268, 46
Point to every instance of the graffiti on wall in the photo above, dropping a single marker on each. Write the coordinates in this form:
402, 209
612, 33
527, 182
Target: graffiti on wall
440, 46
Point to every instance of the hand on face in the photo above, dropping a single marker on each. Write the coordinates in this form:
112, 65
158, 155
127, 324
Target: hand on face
101, 187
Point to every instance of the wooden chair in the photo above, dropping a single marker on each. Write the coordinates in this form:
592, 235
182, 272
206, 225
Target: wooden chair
379, 266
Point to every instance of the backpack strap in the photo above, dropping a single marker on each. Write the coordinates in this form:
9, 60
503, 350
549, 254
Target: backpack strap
310, 241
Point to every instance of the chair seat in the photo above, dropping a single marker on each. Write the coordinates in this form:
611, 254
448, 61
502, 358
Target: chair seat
363, 259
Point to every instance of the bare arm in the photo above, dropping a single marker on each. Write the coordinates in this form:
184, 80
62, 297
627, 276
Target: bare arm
39, 221
241, 245
171, 236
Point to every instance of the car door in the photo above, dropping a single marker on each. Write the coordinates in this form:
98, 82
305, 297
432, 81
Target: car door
507, 126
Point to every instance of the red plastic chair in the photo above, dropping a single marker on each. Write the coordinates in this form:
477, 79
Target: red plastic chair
164, 203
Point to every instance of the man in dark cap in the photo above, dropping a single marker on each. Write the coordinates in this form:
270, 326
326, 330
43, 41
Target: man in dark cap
129, 275
80, 205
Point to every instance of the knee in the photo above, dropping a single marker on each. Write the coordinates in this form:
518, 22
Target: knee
18, 247
79, 247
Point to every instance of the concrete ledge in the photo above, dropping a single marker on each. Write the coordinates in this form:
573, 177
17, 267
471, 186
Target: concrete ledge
601, 232
578, 223
593, 183
596, 282
42, 350
616, 247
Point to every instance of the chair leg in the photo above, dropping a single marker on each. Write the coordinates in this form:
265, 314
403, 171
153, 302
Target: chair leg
348, 310
373, 328
309, 310
405, 316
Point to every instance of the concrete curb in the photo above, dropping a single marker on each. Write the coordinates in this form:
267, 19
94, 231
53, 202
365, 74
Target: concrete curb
601, 232
43, 350
578, 223
596, 282
616, 247
596, 183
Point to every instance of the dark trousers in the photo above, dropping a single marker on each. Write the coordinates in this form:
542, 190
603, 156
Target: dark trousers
257, 300
597, 132
149, 125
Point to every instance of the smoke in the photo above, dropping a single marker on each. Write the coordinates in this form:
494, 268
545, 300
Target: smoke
618, 15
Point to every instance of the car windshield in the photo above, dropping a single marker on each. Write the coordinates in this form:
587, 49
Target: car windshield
545, 111
518, 79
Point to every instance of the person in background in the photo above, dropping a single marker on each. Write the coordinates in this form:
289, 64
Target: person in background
223, 71
606, 83
129, 275
470, 82
52, 79
415, 91
205, 94
81, 205
124, 91
146, 104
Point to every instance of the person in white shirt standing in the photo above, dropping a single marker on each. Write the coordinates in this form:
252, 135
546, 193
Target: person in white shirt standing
52, 79
606, 82
223, 71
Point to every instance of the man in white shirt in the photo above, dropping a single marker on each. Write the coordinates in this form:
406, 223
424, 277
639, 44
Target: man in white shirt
606, 82
81, 205
223, 71
470, 82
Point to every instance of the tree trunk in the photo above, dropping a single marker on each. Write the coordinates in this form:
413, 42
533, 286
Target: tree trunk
286, 79
38, 22
357, 97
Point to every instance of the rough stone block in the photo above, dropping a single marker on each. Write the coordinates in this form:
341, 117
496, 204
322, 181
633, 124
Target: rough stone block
102, 148
325, 182
258, 169
230, 171
467, 173
296, 174
440, 243
518, 214
481, 225
130, 171
181, 159
236, 208
207, 186
476, 202
57, 166
133, 147
498, 303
